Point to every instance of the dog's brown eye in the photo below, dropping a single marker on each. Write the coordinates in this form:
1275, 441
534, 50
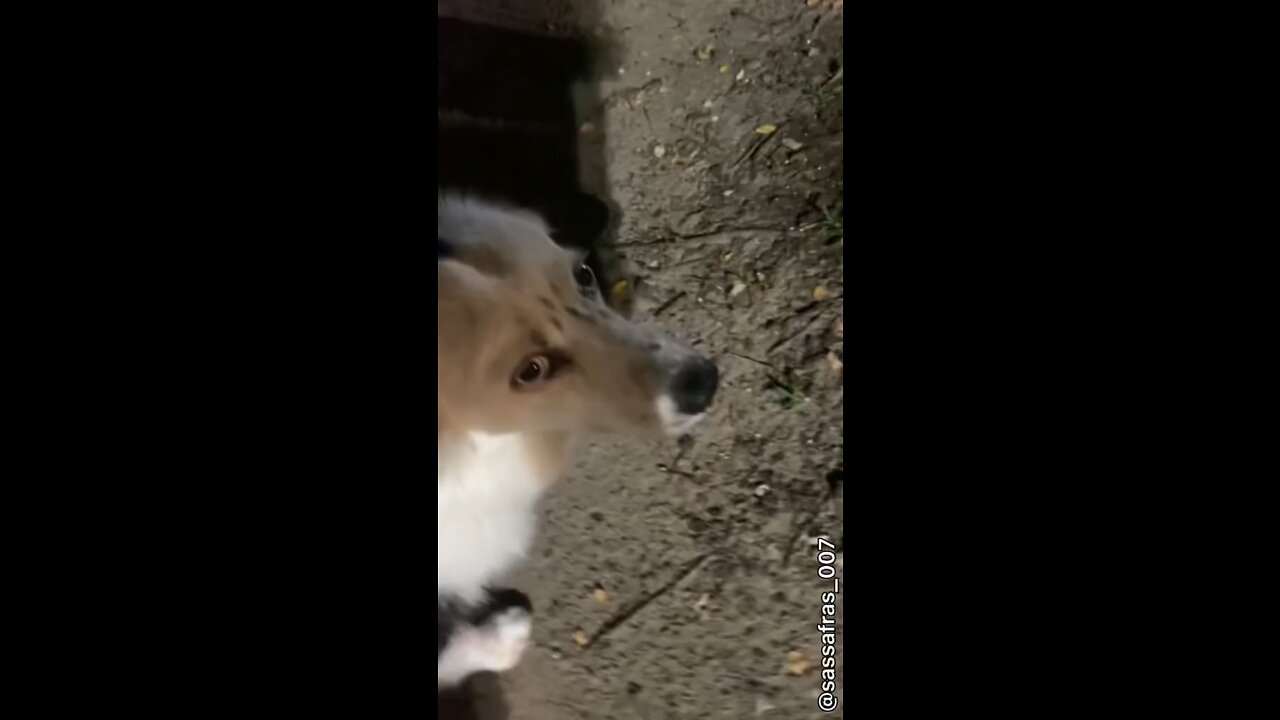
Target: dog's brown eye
586, 279
535, 369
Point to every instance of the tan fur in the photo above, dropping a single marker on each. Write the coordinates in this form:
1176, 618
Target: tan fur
511, 300
501, 301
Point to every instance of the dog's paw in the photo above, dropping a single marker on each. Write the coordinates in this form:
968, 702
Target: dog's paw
502, 639
495, 645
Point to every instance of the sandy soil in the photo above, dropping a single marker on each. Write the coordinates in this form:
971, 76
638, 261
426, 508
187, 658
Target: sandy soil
679, 580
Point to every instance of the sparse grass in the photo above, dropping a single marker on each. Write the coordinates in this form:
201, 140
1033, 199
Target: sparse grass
789, 397
833, 226
821, 98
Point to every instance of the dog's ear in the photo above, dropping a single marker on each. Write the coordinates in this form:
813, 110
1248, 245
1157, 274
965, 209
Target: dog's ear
443, 248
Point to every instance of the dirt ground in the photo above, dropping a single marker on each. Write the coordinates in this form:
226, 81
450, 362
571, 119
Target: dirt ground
679, 580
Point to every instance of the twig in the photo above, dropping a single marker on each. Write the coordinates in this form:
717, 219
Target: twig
794, 335
673, 471
748, 357
692, 260
627, 612
638, 243
755, 147
702, 235
671, 301
720, 230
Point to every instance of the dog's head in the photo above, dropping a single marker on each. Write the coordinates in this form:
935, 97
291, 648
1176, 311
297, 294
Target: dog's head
526, 341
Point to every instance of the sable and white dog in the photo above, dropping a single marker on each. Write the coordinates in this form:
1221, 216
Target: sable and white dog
529, 357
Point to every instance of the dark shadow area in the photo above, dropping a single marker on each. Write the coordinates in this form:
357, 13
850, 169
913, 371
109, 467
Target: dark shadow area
478, 698
507, 125
512, 78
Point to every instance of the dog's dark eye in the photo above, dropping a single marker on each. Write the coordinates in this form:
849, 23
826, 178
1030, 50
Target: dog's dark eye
533, 370
586, 279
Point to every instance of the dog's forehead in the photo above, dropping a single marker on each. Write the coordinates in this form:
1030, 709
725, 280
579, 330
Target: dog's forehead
494, 238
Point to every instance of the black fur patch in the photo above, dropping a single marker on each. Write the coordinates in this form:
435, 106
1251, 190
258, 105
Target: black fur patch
497, 601
451, 614
443, 248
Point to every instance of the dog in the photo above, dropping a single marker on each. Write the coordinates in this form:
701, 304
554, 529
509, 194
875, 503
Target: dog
530, 357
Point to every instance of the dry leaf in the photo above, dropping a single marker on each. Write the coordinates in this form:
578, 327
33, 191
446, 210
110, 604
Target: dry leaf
820, 293
621, 290
767, 129
737, 289
600, 596
834, 363
702, 602
724, 69
706, 51
580, 638
797, 664
659, 151
838, 327
792, 145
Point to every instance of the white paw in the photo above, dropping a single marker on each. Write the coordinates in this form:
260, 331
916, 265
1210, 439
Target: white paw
495, 646
503, 638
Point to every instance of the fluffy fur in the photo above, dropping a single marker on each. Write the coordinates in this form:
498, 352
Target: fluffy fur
487, 492
529, 356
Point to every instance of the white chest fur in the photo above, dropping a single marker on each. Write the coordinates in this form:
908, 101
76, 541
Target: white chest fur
488, 493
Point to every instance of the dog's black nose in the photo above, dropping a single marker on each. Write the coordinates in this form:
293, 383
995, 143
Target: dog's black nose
694, 385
